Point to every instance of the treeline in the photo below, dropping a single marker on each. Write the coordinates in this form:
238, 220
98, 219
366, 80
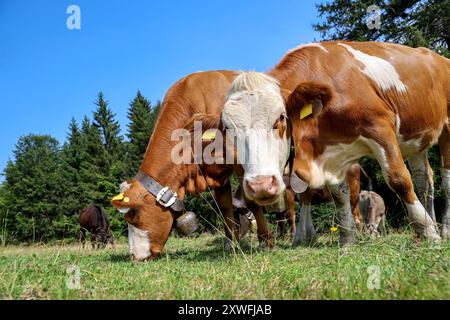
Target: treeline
47, 184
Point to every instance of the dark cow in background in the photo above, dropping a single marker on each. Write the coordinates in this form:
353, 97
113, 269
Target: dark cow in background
95, 220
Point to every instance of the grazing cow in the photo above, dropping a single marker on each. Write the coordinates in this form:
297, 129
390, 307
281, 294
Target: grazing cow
150, 220
373, 211
95, 220
346, 100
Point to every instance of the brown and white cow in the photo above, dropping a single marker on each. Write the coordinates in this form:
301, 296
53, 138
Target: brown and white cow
150, 222
347, 100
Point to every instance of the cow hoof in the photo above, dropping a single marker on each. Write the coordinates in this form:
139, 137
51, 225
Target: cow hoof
227, 246
304, 240
346, 241
445, 233
264, 246
432, 235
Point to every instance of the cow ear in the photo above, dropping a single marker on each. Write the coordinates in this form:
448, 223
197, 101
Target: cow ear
208, 121
308, 100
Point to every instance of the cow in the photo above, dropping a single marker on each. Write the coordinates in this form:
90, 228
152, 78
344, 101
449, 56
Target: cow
373, 210
153, 200
346, 100
95, 220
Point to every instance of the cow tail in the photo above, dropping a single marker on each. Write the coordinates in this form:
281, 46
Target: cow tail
369, 180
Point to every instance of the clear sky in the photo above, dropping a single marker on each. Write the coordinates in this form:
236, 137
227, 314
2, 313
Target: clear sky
49, 73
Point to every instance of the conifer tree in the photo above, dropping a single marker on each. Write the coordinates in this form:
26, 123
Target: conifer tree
139, 131
34, 187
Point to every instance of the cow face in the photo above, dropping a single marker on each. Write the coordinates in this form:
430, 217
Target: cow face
149, 224
304, 106
255, 110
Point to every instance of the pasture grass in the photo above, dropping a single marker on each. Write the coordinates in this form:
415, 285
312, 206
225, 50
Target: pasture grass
198, 268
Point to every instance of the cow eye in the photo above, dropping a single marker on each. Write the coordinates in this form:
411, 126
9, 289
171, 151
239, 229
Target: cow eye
282, 118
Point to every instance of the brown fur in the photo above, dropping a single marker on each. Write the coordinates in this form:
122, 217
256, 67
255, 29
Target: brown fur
94, 220
199, 96
360, 108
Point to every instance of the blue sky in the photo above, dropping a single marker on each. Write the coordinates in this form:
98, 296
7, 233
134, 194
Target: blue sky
49, 73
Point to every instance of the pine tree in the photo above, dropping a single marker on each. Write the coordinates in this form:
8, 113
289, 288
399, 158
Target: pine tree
139, 131
34, 187
108, 126
71, 156
113, 145
94, 165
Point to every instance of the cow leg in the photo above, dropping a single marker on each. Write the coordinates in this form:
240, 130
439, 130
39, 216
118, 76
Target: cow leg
305, 232
347, 227
444, 145
422, 176
354, 183
281, 223
82, 237
93, 240
224, 201
290, 195
382, 226
264, 235
397, 177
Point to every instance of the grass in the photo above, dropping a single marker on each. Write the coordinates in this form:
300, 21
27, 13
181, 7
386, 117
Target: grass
197, 268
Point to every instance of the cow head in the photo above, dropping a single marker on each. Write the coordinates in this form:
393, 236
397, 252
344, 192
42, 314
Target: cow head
255, 110
304, 106
149, 224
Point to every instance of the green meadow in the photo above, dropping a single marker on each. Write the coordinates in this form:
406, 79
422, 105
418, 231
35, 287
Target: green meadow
393, 267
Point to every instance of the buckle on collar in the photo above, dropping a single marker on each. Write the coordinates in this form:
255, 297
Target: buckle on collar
161, 193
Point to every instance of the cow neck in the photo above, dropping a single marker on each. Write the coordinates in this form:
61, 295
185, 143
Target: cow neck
157, 161
293, 69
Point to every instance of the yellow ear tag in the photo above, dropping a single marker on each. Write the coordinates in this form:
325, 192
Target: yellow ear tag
209, 134
306, 110
119, 197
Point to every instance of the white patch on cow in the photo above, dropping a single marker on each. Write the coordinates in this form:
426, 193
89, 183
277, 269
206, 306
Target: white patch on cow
332, 165
409, 148
379, 70
417, 214
123, 210
252, 106
398, 123
308, 45
138, 242
124, 186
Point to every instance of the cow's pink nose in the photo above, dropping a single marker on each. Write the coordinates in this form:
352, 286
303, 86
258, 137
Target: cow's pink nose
263, 186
